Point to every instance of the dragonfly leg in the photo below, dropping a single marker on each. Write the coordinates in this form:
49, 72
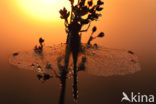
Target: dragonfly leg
63, 88
63, 75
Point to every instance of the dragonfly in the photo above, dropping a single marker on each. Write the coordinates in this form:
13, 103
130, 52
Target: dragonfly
67, 59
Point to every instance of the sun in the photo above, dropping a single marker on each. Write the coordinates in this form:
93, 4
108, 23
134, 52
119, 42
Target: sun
43, 9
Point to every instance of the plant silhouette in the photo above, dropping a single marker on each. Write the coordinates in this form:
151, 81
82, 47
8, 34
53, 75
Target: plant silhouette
82, 13
39, 49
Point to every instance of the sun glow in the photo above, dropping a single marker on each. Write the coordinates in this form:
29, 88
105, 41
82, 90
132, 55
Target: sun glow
43, 9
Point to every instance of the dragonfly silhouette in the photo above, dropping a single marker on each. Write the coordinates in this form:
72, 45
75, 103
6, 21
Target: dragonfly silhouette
65, 60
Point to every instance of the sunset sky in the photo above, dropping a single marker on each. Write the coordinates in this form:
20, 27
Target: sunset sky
128, 24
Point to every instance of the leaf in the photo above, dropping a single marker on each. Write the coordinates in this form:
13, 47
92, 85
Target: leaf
64, 13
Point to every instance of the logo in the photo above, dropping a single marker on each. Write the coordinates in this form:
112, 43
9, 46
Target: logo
137, 97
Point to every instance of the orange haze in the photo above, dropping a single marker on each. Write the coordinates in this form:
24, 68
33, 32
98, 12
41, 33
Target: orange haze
127, 24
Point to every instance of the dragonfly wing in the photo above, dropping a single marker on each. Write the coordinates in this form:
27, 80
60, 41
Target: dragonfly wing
44, 62
107, 62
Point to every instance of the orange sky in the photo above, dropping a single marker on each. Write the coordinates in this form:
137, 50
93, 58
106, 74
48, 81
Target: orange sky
127, 24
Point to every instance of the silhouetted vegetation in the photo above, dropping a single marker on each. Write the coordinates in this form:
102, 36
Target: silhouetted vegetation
43, 76
39, 49
82, 13
15, 54
130, 52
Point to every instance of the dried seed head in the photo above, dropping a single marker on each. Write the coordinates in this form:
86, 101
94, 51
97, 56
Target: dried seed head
101, 34
94, 29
